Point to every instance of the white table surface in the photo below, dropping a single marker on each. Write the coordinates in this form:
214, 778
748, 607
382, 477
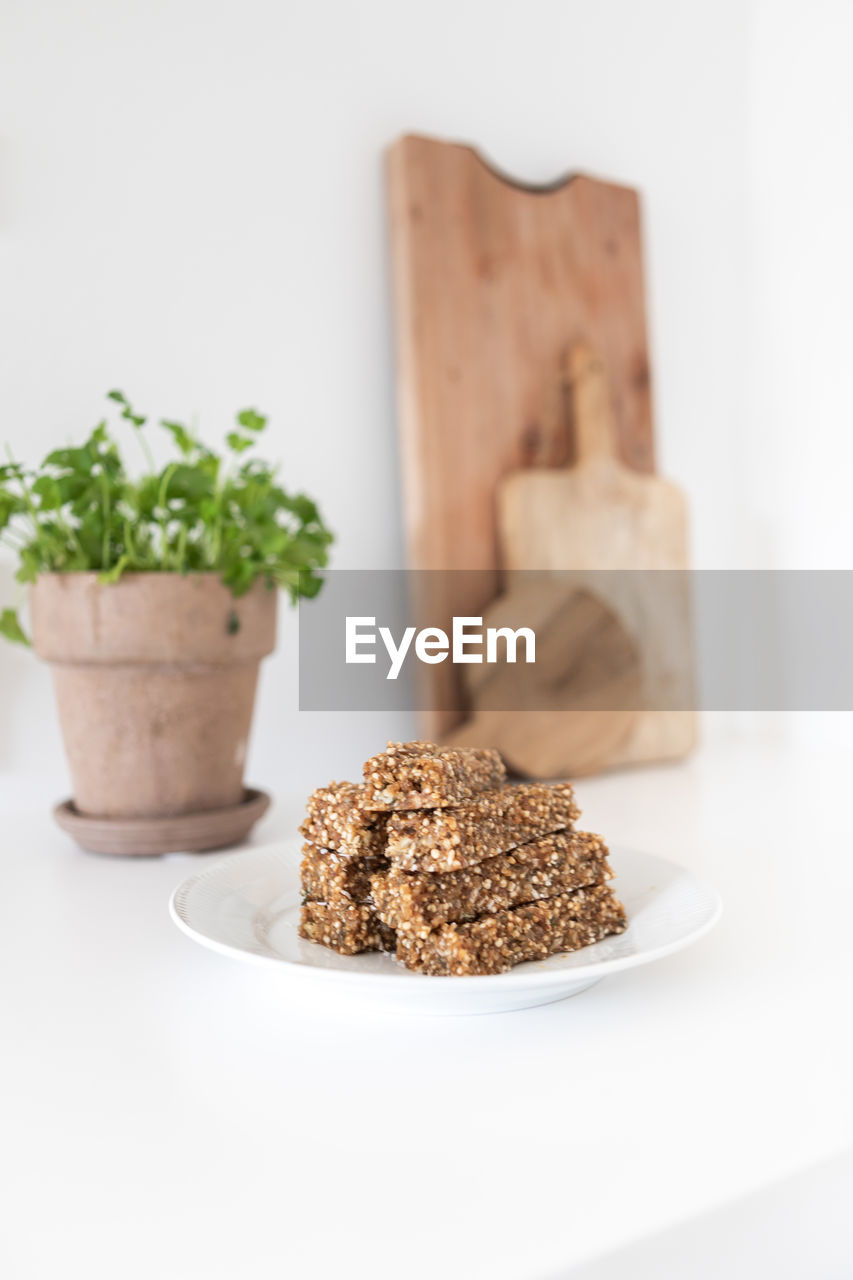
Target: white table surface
170, 1112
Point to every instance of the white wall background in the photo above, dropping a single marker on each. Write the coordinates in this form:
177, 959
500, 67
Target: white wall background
191, 208
801, 281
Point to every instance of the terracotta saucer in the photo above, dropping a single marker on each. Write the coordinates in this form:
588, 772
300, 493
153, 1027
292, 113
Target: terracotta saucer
186, 832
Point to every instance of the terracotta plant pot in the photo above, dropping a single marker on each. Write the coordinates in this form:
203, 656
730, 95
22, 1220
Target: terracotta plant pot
155, 681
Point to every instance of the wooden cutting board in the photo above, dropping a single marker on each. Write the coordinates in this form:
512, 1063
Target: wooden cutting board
612, 647
494, 284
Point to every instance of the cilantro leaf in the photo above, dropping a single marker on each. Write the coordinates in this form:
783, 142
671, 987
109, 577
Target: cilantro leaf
237, 442
181, 435
11, 628
251, 420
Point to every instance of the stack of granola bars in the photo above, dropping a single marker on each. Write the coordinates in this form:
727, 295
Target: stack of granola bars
435, 857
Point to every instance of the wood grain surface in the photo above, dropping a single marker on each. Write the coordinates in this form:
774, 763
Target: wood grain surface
494, 284
580, 698
612, 684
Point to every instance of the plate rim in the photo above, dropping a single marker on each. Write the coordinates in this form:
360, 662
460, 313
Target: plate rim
520, 976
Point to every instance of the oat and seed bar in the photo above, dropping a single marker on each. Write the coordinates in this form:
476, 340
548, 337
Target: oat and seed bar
415, 902
347, 928
493, 944
336, 819
420, 775
497, 821
328, 877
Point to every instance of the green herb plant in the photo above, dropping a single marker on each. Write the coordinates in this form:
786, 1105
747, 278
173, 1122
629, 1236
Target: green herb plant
203, 512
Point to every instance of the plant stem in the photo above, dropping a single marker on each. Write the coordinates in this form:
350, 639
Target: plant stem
105, 507
128, 540
182, 547
69, 531
161, 502
149, 457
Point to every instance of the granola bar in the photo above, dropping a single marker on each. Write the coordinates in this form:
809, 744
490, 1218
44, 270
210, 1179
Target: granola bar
347, 928
420, 775
336, 819
414, 903
450, 839
328, 877
493, 944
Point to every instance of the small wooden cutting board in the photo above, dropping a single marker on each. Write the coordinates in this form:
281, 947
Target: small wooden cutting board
596, 514
580, 524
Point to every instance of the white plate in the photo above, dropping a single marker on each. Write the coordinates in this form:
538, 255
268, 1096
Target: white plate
247, 906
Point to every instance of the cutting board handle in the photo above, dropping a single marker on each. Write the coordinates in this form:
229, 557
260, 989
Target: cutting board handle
588, 395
